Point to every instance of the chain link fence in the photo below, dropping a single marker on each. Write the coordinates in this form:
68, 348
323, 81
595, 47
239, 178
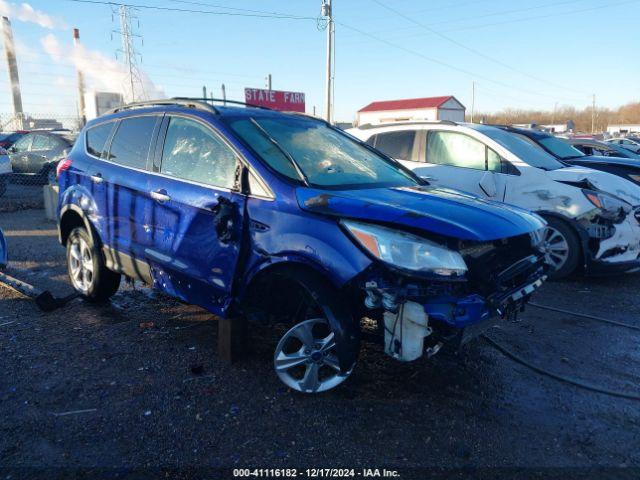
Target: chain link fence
30, 147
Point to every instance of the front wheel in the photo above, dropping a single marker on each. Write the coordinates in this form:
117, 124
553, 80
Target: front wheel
89, 276
306, 359
561, 248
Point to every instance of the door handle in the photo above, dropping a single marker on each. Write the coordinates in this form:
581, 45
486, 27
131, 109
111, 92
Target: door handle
97, 178
160, 195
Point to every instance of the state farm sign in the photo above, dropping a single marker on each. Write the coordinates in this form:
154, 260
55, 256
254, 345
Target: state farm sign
276, 99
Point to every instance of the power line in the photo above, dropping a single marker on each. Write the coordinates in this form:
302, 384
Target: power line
186, 10
224, 7
491, 14
471, 49
441, 62
538, 17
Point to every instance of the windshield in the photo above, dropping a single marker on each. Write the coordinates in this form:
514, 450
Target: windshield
311, 151
560, 149
524, 150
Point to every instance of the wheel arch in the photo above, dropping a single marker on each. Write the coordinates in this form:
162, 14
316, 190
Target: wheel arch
325, 293
575, 227
72, 216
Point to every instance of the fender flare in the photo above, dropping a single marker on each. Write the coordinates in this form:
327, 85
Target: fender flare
331, 300
87, 223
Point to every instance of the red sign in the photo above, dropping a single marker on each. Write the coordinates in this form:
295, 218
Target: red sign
275, 99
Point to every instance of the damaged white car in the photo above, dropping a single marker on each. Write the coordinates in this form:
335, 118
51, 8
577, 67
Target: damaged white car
593, 216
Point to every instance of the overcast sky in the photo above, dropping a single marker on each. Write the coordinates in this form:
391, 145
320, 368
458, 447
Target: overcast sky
521, 54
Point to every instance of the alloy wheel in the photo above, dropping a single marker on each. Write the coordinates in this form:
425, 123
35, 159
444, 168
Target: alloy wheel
81, 264
555, 248
306, 360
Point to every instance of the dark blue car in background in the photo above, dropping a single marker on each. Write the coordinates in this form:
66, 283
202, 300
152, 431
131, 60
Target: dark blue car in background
259, 214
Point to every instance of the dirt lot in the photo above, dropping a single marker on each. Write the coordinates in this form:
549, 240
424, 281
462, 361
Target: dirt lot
136, 402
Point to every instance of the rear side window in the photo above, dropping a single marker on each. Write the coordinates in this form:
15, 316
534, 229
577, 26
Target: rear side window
43, 142
97, 139
23, 144
456, 150
194, 152
397, 145
130, 145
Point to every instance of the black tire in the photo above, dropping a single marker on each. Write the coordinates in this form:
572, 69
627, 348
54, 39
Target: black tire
3, 186
104, 283
572, 261
314, 300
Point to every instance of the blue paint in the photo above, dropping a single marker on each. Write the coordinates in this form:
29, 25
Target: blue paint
189, 259
4, 254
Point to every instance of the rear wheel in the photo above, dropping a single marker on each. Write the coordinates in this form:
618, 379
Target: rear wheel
89, 276
561, 248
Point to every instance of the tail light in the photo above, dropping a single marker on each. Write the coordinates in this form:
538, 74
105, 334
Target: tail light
63, 165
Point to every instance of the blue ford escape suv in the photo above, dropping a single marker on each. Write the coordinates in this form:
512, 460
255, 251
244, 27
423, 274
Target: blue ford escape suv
252, 213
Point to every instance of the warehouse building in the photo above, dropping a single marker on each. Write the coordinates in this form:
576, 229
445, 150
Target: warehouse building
429, 109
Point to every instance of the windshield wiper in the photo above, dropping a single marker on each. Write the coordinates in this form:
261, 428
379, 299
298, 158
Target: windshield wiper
282, 150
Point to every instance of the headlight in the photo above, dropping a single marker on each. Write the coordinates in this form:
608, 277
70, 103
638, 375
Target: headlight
537, 237
405, 250
611, 207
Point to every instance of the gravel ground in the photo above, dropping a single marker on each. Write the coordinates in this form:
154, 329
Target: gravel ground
149, 396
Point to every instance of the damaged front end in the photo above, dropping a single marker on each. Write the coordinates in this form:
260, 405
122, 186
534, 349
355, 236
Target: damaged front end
611, 234
420, 314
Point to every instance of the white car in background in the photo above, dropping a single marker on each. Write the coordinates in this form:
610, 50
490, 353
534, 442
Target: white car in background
631, 143
592, 215
5, 170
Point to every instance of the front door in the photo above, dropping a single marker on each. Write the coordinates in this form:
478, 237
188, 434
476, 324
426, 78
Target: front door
197, 215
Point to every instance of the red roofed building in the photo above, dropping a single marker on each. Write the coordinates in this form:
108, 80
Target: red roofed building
430, 109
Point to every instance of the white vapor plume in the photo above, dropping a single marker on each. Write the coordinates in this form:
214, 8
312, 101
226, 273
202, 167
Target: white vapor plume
100, 72
26, 13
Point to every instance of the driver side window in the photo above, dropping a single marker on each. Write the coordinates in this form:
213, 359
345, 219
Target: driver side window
455, 150
194, 152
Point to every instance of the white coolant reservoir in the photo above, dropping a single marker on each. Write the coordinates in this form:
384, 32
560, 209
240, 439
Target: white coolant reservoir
405, 331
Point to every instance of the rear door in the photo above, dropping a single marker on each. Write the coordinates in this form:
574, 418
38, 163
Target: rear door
125, 176
197, 214
457, 160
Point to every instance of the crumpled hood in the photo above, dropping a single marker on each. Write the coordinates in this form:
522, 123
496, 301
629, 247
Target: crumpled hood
435, 210
607, 182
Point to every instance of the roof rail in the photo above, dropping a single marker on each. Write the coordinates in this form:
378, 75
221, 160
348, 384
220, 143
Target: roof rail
158, 103
368, 126
209, 101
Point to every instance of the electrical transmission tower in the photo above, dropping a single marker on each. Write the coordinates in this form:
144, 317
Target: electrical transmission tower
134, 85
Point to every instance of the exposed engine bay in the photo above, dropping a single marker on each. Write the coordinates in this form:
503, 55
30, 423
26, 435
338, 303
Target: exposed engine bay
420, 316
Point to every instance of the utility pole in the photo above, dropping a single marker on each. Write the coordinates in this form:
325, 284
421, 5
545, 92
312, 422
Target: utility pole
268, 79
130, 55
224, 94
553, 117
473, 99
204, 91
80, 81
593, 114
12, 68
328, 12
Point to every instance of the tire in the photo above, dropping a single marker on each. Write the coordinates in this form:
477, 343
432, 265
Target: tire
558, 236
85, 264
3, 186
306, 358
